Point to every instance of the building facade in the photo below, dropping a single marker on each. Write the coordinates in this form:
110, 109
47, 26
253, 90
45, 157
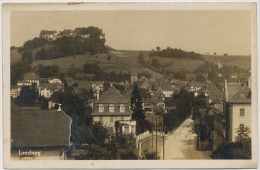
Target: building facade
39, 134
112, 107
237, 108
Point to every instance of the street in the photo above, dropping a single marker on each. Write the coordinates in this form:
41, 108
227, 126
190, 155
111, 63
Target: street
182, 143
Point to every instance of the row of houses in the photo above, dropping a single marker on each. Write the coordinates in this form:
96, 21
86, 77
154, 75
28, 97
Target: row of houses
41, 134
53, 34
46, 87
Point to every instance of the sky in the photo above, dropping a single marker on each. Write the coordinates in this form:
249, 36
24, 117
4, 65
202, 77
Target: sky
199, 31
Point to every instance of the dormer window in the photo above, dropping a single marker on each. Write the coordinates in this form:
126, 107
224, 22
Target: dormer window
111, 108
101, 108
122, 108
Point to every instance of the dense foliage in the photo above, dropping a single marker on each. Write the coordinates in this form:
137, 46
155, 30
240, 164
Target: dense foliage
183, 103
48, 71
28, 95
138, 114
174, 53
240, 149
32, 44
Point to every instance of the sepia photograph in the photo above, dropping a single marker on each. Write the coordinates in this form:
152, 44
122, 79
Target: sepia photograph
151, 83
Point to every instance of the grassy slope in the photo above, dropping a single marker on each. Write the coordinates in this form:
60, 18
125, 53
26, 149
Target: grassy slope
124, 60
188, 64
239, 61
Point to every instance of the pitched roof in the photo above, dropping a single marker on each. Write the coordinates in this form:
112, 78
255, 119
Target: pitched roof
242, 96
31, 76
216, 94
232, 89
53, 87
44, 32
39, 128
112, 96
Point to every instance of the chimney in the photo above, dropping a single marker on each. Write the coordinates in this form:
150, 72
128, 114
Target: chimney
225, 90
49, 104
249, 82
59, 109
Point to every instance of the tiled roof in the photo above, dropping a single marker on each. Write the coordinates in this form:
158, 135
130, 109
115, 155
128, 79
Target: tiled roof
44, 32
232, 89
112, 96
40, 128
53, 87
242, 96
127, 95
153, 101
216, 94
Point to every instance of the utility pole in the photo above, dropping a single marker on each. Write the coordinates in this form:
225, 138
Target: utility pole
163, 139
152, 131
156, 135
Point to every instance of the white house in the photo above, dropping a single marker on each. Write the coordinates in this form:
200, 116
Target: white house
237, 108
54, 81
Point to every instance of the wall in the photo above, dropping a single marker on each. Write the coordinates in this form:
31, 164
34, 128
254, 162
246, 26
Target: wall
236, 119
107, 122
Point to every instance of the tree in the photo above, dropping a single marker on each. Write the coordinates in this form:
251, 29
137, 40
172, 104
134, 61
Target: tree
138, 112
240, 149
200, 77
136, 104
28, 95
91, 68
156, 62
27, 58
18, 69
141, 59
183, 101
97, 134
48, 71
200, 101
90, 94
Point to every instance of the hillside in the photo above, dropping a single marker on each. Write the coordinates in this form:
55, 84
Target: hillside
124, 60
243, 62
175, 64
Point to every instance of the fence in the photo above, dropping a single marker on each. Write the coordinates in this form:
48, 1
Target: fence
143, 136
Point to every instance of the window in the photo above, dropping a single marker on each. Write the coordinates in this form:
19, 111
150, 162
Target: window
122, 108
101, 108
101, 119
242, 127
111, 108
111, 119
242, 112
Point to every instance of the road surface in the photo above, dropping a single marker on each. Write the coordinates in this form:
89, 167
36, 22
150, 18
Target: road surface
182, 144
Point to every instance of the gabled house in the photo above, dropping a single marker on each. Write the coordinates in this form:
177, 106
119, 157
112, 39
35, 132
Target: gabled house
39, 134
112, 107
47, 89
15, 91
29, 79
195, 86
54, 80
48, 34
237, 108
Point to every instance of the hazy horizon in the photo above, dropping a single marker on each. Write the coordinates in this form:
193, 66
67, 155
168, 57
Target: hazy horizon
199, 31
